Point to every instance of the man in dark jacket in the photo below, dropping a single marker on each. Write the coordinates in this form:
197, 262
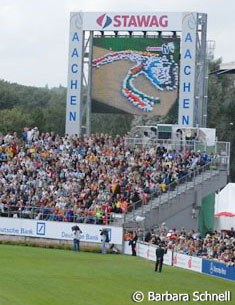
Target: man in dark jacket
160, 251
133, 242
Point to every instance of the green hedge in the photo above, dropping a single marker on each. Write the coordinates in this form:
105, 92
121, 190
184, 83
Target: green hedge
63, 246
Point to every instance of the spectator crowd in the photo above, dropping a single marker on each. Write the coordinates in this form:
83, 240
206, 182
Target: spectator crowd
219, 246
84, 179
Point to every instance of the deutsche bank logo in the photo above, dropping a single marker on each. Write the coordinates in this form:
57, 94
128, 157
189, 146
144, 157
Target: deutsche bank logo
41, 228
109, 234
211, 268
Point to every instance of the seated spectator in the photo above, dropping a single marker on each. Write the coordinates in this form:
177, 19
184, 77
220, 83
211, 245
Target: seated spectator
72, 178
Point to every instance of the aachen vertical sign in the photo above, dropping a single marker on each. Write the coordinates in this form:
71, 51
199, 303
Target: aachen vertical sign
74, 89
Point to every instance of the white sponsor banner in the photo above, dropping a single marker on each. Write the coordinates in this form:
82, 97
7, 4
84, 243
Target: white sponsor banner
149, 252
127, 248
187, 107
141, 250
57, 230
187, 262
75, 66
129, 21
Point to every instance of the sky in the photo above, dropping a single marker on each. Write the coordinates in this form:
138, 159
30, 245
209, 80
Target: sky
34, 34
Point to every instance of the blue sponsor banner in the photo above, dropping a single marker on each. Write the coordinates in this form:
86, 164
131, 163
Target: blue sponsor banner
218, 269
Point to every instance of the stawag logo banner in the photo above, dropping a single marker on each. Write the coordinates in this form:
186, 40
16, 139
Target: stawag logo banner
134, 21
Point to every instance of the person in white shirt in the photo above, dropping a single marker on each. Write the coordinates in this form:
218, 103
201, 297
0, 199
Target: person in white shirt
104, 239
76, 238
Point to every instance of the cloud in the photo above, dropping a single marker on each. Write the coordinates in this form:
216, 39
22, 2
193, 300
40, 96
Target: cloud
34, 34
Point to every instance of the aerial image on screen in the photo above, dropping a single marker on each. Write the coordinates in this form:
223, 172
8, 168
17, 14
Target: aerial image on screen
136, 75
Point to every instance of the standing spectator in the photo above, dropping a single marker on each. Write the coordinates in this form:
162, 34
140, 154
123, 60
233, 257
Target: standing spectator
30, 135
76, 238
132, 243
35, 134
160, 251
104, 239
24, 135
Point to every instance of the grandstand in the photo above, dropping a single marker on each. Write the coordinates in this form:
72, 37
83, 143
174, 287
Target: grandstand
158, 175
100, 180
182, 203
48, 183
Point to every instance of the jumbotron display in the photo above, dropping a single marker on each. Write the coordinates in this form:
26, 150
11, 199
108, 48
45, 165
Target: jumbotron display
136, 75
133, 61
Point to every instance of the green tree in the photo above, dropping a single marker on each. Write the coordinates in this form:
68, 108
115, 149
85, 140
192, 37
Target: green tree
14, 120
221, 109
112, 124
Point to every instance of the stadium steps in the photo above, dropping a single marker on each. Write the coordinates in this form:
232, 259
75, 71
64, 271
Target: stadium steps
204, 183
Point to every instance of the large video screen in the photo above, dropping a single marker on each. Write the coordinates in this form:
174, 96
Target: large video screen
135, 75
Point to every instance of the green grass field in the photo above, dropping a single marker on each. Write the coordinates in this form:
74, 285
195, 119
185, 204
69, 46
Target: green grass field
36, 276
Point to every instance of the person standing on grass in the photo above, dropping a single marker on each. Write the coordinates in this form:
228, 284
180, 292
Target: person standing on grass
76, 238
104, 239
160, 251
133, 242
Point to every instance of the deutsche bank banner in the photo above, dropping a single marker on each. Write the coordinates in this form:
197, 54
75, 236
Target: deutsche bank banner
57, 230
218, 269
